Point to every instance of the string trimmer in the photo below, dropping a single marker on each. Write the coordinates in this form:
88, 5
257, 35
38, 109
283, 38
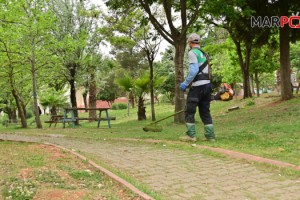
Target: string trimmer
153, 127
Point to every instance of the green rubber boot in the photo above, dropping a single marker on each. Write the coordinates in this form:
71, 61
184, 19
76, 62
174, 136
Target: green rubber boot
190, 133
209, 132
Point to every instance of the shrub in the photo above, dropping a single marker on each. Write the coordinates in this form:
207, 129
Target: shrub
119, 106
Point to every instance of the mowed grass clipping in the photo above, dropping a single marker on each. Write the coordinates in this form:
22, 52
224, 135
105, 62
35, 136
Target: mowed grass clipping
263, 126
36, 171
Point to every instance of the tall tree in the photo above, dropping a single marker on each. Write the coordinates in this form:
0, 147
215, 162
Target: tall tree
124, 34
10, 55
286, 8
26, 41
235, 17
187, 13
264, 62
93, 61
73, 30
150, 43
224, 61
165, 69
38, 43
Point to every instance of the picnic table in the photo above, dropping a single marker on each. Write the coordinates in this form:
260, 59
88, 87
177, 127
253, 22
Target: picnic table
54, 119
73, 119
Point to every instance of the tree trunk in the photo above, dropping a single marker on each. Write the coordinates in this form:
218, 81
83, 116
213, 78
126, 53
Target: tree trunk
131, 100
34, 85
285, 71
11, 112
20, 109
92, 96
257, 83
152, 90
72, 68
244, 67
278, 77
179, 95
252, 87
73, 96
53, 110
84, 96
141, 109
35, 101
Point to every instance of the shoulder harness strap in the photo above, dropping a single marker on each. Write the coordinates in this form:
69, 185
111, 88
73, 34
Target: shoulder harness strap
201, 75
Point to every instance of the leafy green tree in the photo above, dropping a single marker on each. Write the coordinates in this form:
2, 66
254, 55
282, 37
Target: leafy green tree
95, 69
134, 44
150, 44
136, 87
11, 60
75, 25
175, 35
224, 60
8, 105
110, 90
25, 42
40, 21
126, 83
264, 61
165, 69
53, 99
122, 33
266, 81
142, 88
168, 88
234, 16
286, 35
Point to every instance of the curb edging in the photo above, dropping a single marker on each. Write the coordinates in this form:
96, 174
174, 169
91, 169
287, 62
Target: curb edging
107, 172
111, 175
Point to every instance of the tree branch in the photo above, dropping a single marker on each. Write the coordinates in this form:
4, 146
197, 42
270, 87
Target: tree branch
165, 34
183, 12
194, 16
168, 10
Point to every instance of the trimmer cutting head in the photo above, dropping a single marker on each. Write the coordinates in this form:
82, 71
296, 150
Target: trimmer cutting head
153, 128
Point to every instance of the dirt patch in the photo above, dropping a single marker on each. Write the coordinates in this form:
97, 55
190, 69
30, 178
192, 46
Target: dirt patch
26, 173
55, 152
59, 194
273, 104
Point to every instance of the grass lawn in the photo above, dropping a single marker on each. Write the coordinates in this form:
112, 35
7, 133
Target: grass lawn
262, 126
36, 171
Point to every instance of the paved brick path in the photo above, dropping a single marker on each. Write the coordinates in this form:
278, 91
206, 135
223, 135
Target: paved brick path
176, 174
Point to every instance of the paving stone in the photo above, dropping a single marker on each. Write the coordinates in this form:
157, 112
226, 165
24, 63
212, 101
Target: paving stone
177, 174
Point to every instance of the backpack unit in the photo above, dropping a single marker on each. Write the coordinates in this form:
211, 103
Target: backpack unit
201, 75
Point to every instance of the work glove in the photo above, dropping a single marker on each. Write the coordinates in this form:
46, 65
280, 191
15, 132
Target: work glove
183, 86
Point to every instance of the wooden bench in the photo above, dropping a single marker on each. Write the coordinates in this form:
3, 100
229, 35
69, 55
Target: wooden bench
95, 119
55, 119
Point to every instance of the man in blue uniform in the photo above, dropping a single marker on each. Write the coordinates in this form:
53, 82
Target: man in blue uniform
200, 90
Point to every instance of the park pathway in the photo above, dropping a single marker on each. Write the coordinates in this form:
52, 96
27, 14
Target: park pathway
177, 174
